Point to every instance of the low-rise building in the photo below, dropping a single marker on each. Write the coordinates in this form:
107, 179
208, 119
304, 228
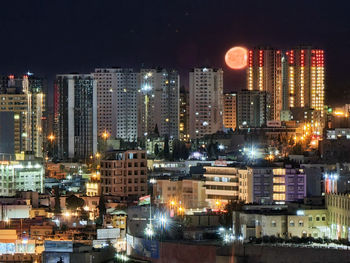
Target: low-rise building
124, 174
221, 185
22, 175
338, 206
279, 221
188, 192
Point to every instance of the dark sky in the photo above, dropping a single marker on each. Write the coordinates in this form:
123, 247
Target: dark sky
49, 36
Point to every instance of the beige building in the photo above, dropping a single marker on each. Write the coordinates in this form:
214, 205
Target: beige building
303, 223
308, 223
124, 174
188, 193
22, 108
338, 206
221, 185
230, 114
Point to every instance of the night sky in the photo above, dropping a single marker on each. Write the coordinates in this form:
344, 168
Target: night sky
49, 36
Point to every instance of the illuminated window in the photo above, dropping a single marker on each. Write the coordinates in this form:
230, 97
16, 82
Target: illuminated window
279, 180
279, 188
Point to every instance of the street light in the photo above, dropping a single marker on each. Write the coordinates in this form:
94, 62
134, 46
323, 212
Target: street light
153, 181
149, 231
105, 135
51, 137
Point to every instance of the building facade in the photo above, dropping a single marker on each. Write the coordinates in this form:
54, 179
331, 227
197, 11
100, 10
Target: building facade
338, 206
230, 113
124, 174
75, 116
289, 184
117, 102
158, 103
22, 107
206, 101
188, 193
221, 185
253, 108
293, 78
23, 175
264, 74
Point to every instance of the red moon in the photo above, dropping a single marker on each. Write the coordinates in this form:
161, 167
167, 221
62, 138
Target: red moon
236, 57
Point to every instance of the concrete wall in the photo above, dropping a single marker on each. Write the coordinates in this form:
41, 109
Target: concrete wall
267, 254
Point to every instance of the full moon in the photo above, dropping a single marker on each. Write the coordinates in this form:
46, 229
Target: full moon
236, 57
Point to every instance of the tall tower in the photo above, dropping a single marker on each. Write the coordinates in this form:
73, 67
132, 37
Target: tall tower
206, 101
117, 102
264, 74
22, 109
76, 116
305, 78
159, 102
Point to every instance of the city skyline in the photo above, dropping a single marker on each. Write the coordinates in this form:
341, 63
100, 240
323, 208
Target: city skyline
181, 31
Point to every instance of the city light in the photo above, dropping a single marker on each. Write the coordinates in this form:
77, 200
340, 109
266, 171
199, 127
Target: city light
105, 135
153, 181
51, 137
149, 231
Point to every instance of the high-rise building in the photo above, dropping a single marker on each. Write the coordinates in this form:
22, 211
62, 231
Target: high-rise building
206, 101
293, 79
252, 108
230, 113
305, 78
117, 102
264, 74
159, 103
75, 116
184, 115
22, 107
124, 174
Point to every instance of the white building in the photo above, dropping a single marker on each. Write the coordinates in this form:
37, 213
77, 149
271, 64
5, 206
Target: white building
21, 176
206, 101
159, 102
117, 102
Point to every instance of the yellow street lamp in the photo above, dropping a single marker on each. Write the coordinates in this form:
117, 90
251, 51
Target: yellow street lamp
105, 135
51, 137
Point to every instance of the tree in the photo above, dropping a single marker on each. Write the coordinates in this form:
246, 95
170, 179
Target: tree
156, 130
101, 207
166, 148
176, 150
184, 153
73, 202
297, 149
156, 149
57, 200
